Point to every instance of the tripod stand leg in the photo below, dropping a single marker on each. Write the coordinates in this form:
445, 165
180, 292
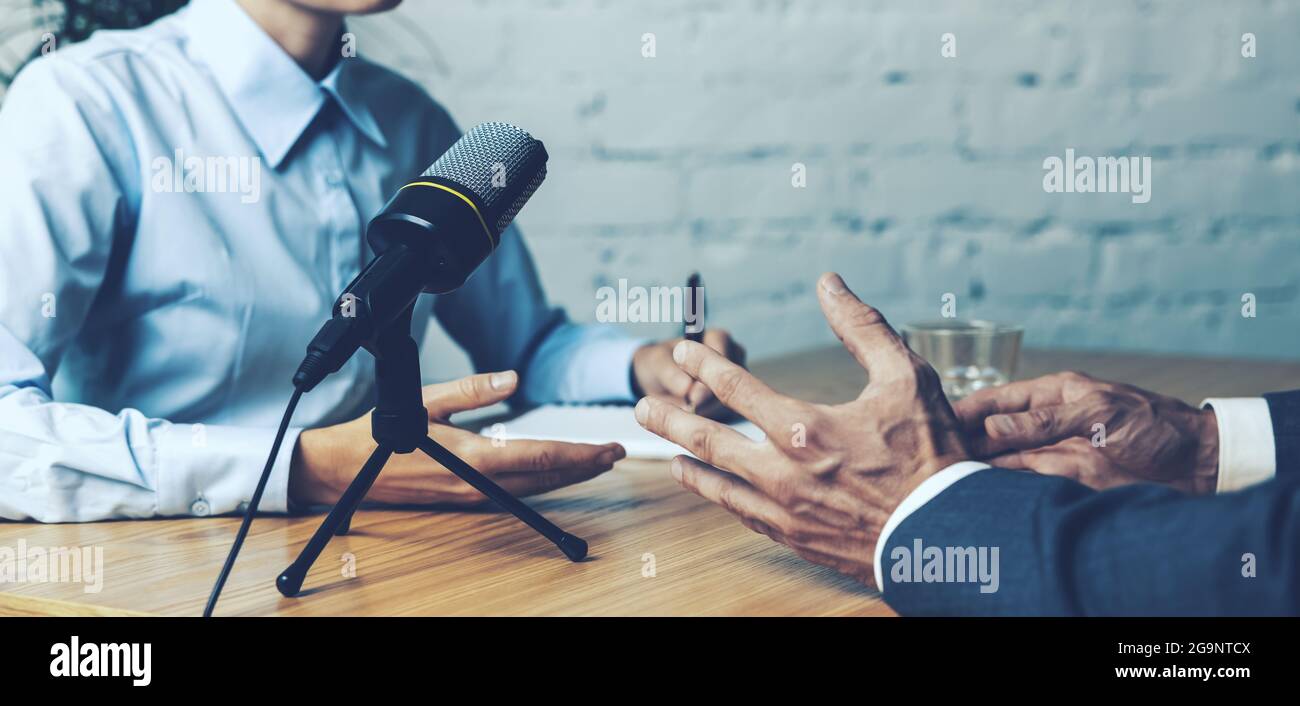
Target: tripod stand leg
346, 524
573, 547
290, 580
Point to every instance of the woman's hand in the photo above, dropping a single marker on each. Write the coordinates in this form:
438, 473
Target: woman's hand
326, 459
654, 374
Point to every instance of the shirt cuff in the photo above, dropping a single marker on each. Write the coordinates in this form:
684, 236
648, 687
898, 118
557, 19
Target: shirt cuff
924, 493
610, 375
1246, 450
212, 470
582, 365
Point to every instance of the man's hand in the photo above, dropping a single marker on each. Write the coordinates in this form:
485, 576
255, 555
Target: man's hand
655, 375
1099, 433
326, 460
827, 477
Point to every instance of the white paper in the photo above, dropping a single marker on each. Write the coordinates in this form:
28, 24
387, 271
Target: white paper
597, 424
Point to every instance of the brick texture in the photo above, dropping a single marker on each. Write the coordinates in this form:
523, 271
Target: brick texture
924, 173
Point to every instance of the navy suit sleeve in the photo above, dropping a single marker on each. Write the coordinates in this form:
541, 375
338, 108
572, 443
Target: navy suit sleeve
1064, 549
1284, 409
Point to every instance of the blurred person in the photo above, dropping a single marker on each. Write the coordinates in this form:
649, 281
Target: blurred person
149, 326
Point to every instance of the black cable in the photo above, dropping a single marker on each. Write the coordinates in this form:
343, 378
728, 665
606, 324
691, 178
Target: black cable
252, 505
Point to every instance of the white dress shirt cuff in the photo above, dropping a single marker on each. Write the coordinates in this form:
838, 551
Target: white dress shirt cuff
1247, 455
582, 364
212, 470
926, 491
609, 369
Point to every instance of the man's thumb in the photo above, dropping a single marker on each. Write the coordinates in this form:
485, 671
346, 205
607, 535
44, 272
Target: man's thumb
1037, 427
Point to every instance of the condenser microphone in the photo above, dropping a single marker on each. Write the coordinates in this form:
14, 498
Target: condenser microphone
430, 237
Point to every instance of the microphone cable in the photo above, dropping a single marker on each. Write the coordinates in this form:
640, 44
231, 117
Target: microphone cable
252, 504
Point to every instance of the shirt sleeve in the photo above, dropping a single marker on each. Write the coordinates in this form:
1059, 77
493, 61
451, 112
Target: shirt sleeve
1035, 544
65, 462
502, 320
590, 363
924, 493
1246, 450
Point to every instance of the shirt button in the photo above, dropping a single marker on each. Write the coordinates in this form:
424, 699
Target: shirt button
334, 178
200, 508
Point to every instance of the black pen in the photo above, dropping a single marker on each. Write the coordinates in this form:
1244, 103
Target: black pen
694, 330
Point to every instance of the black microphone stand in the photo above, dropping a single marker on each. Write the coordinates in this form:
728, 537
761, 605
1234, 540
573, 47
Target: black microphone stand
399, 424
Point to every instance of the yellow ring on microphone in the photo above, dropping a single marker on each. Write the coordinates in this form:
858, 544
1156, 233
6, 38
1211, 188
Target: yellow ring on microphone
486, 231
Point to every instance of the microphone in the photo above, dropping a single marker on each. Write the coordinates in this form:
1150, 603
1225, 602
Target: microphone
430, 237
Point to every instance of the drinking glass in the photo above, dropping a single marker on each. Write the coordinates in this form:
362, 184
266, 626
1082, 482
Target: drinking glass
968, 355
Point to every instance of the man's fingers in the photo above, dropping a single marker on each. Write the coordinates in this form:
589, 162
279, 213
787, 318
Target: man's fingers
721, 341
676, 382
1048, 461
699, 396
677, 402
446, 398
736, 387
981, 446
1039, 426
1002, 399
714, 443
1006, 399
732, 493
862, 329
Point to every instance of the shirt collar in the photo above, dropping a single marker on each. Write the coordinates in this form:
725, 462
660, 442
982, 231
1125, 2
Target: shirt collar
347, 83
272, 96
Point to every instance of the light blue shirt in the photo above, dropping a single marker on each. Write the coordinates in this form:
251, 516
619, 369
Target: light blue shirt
179, 207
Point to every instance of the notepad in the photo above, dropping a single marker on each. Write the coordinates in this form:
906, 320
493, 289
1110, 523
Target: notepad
597, 424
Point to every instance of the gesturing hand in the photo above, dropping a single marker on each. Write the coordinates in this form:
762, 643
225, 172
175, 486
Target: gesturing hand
655, 375
828, 476
1099, 433
327, 459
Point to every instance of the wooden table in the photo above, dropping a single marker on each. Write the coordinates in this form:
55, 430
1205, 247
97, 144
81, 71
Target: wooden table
484, 563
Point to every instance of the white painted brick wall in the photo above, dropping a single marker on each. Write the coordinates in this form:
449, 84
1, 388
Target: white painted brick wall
924, 173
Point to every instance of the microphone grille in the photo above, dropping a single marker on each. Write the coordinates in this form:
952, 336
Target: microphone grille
500, 164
